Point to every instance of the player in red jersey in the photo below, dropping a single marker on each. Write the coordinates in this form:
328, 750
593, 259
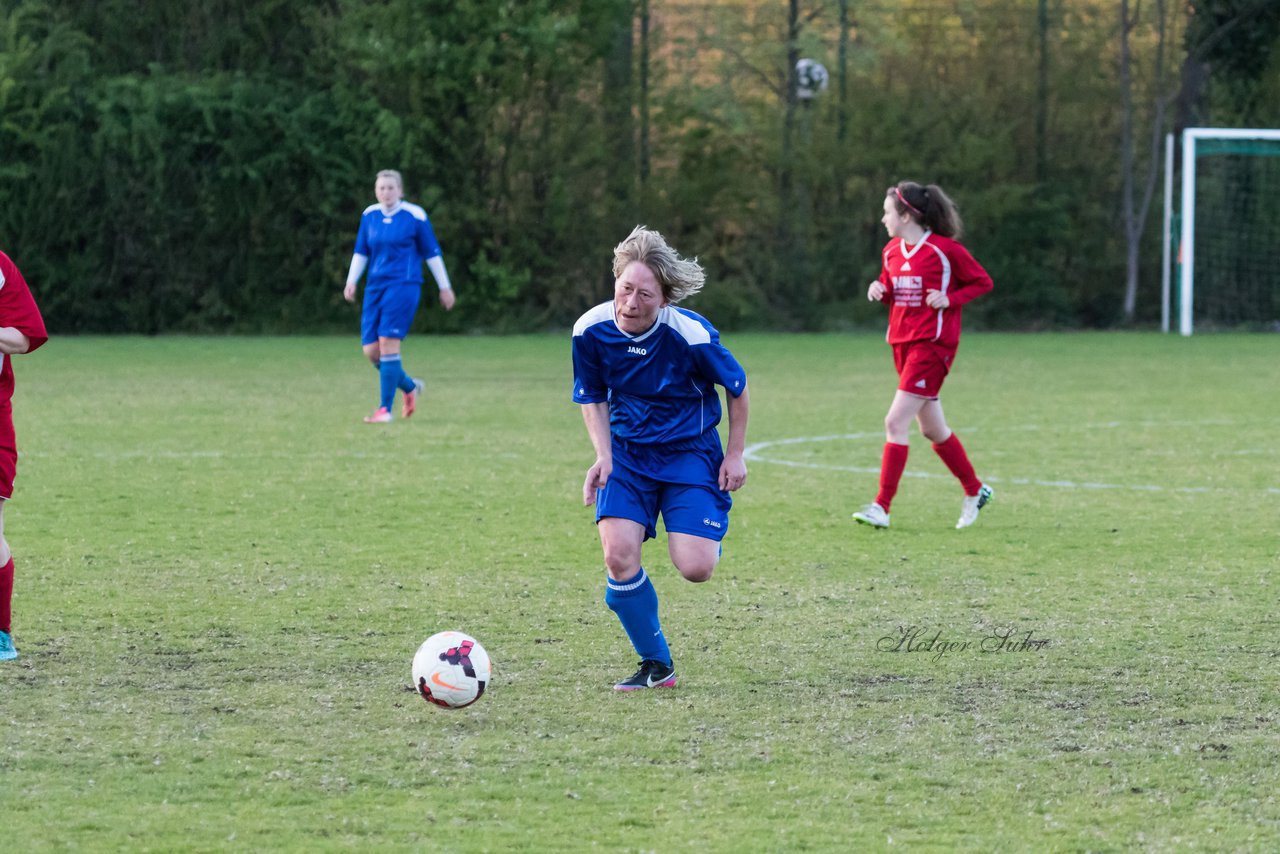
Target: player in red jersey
21, 331
925, 278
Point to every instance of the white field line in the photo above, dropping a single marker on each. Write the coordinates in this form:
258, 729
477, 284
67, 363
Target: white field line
756, 452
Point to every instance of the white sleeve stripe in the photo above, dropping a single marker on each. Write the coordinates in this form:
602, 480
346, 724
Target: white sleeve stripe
689, 329
600, 314
436, 264
358, 263
946, 284
418, 213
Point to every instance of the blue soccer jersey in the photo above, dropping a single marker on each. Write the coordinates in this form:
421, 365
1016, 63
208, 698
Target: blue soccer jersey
660, 386
396, 244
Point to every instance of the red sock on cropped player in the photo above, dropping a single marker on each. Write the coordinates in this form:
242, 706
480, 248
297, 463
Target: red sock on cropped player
6, 595
892, 463
953, 454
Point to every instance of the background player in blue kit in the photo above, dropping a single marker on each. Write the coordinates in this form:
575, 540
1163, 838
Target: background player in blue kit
645, 373
395, 237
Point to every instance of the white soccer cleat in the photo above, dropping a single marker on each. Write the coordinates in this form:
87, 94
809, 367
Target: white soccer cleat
873, 514
972, 504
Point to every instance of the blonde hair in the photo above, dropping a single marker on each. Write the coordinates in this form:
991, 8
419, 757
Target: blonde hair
679, 277
391, 173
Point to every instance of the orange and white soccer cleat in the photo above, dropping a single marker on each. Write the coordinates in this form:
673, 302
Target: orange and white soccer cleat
411, 398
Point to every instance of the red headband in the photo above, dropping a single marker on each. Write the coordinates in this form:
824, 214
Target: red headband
902, 199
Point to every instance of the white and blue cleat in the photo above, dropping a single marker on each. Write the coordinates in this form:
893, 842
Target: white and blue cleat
972, 504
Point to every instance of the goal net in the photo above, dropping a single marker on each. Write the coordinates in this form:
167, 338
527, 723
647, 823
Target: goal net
1229, 251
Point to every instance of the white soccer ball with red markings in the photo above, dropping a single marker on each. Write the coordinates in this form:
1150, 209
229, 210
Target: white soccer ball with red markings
451, 670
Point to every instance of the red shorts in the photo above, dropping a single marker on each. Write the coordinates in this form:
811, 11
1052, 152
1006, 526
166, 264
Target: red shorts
922, 366
8, 451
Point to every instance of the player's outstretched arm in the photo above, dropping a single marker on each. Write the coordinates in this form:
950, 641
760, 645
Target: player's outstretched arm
596, 417
733, 471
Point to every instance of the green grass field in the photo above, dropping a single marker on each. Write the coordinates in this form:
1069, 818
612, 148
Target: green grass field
223, 575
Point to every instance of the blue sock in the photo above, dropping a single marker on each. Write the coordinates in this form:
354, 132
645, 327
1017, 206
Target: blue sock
406, 381
390, 372
636, 604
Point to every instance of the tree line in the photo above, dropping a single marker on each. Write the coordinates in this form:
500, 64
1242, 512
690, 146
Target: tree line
202, 167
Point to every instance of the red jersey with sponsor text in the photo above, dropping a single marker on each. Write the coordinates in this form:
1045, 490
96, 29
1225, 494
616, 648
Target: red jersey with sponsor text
17, 309
910, 272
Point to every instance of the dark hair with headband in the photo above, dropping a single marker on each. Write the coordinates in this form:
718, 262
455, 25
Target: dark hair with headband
928, 206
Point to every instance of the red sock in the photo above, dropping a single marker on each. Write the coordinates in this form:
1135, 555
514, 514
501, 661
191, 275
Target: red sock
892, 463
952, 453
6, 594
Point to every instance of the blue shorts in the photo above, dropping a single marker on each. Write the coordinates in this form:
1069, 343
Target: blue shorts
388, 312
702, 511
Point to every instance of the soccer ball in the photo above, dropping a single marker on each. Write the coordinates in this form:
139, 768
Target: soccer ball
451, 669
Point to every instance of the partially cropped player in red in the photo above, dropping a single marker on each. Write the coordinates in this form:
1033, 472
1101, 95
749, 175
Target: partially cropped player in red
21, 331
925, 278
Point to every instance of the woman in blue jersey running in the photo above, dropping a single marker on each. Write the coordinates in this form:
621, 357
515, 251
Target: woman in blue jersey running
645, 373
395, 237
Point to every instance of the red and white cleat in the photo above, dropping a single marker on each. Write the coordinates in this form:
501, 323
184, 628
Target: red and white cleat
381, 415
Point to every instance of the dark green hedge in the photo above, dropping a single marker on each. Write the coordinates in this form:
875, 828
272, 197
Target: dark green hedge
201, 167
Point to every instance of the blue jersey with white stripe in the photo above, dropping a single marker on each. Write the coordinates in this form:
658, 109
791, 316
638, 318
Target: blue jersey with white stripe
396, 244
660, 385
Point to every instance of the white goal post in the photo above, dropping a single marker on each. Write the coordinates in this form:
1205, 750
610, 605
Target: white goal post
1191, 137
